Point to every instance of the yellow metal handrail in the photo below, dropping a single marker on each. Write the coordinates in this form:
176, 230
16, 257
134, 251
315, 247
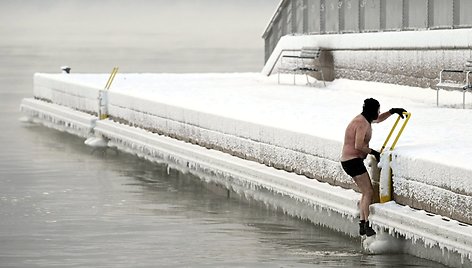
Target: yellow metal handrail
110, 79
386, 196
408, 116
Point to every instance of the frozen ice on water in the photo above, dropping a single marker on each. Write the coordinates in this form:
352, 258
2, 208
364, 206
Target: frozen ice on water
98, 142
26, 119
382, 243
58, 117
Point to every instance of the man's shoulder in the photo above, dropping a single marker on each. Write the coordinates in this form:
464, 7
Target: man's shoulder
360, 119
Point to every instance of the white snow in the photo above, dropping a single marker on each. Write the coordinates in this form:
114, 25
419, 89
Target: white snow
435, 135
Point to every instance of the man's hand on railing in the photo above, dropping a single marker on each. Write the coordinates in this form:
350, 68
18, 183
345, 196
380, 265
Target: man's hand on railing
398, 111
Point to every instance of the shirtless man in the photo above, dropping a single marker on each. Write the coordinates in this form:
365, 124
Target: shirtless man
355, 150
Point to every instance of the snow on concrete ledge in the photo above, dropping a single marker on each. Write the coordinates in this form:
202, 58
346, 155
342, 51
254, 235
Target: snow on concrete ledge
432, 230
437, 39
294, 128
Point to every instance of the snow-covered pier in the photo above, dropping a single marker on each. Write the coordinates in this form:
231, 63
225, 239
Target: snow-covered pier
267, 138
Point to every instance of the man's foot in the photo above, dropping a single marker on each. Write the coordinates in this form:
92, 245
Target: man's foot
365, 228
362, 228
368, 229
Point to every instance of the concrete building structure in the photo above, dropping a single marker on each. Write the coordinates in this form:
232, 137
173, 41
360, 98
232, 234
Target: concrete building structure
409, 65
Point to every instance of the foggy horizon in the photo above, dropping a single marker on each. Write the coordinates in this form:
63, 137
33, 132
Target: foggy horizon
177, 24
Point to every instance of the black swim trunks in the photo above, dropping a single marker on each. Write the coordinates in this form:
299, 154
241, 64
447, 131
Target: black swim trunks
354, 167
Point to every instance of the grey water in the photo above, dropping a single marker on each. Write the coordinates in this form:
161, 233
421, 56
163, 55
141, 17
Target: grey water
64, 205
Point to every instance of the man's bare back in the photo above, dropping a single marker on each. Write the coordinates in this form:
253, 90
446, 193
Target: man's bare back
356, 139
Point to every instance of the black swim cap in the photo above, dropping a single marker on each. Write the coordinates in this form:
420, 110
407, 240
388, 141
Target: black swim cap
370, 110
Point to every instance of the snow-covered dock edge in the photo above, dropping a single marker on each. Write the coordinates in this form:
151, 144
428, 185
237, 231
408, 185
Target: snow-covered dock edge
421, 234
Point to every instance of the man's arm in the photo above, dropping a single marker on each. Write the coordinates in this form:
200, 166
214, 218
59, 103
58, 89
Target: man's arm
386, 115
382, 117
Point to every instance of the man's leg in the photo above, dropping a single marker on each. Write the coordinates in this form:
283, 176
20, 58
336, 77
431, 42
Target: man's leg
364, 184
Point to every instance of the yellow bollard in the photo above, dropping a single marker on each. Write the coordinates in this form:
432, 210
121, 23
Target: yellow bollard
103, 96
386, 188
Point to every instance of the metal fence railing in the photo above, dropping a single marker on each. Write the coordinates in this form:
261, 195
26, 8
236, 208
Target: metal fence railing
354, 16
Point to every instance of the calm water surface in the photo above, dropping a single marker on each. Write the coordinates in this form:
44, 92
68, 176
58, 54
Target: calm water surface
63, 205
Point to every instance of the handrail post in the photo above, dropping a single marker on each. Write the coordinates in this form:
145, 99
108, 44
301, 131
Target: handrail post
103, 96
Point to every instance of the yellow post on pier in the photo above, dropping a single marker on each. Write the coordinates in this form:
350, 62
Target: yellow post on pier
103, 96
386, 187
110, 79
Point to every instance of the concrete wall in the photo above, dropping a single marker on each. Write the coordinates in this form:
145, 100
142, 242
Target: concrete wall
312, 156
403, 65
411, 67
403, 58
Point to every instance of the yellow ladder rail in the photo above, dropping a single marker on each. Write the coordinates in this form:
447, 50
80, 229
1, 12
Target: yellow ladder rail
110, 79
386, 196
408, 116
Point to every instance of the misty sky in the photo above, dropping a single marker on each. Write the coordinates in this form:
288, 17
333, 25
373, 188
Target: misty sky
172, 23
